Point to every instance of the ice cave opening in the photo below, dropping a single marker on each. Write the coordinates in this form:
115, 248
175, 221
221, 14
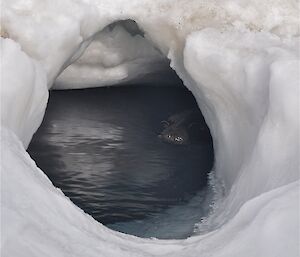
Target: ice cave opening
105, 148
134, 155
240, 63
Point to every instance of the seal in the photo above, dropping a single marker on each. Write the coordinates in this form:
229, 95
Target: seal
184, 128
175, 135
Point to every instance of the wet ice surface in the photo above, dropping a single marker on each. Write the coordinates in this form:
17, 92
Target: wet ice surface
100, 146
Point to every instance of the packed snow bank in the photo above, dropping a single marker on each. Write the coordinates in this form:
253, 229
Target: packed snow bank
243, 81
114, 56
241, 61
23, 102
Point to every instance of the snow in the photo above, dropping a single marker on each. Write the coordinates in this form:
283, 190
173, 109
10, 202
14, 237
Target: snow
114, 56
241, 61
23, 103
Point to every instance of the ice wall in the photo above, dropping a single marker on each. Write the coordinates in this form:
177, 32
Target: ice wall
251, 86
241, 61
24, 92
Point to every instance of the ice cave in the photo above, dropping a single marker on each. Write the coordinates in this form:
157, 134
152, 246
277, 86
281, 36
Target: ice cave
239, 59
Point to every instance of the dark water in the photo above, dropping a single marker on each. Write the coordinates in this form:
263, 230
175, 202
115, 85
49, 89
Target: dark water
100, 146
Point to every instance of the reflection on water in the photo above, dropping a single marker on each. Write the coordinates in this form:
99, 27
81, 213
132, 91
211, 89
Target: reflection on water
100, 146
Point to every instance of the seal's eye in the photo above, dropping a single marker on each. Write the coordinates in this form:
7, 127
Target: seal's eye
169, 136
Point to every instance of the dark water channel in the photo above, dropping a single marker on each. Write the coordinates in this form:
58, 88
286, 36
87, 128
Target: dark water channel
100, 146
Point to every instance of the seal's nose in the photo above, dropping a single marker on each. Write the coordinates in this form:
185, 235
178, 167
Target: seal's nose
160, 136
